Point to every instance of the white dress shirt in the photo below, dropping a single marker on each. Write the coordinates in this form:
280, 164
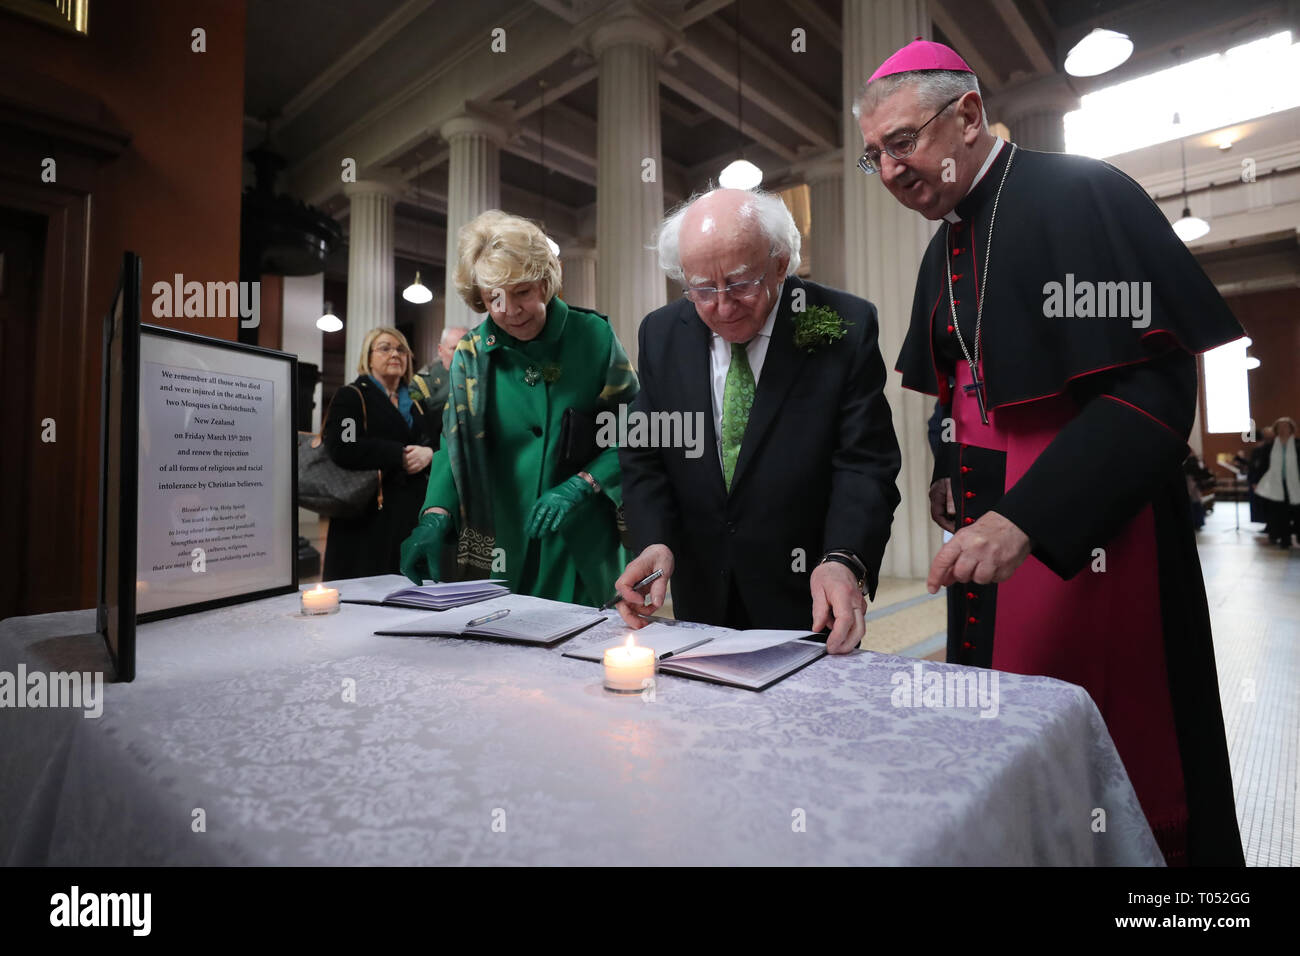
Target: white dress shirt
720, 362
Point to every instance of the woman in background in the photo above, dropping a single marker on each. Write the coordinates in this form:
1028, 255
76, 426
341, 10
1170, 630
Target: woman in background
373, 424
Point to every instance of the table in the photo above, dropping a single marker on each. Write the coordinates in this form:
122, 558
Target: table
459, 751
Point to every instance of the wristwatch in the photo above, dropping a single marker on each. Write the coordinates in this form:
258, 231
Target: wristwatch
850, 561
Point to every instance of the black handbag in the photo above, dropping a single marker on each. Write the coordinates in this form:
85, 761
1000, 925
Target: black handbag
328, 488
577, 439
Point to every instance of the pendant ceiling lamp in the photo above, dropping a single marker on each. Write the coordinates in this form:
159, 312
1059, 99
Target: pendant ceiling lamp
1188, 227
740, 173
329, 322
1099, 52
417, 292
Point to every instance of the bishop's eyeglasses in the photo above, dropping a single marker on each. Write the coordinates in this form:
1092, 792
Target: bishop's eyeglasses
901, 145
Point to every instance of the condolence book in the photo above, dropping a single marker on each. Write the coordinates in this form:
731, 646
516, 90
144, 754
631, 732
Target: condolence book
529, 620
754, 660
430, 597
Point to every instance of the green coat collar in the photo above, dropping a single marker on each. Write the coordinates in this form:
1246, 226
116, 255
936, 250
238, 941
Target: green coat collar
493, 337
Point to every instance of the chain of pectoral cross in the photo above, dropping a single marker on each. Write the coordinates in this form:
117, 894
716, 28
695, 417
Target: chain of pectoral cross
977, 385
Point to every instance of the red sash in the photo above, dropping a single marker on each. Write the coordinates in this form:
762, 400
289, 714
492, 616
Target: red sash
1100, 630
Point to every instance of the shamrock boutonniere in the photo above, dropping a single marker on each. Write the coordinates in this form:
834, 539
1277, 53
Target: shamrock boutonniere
818, 326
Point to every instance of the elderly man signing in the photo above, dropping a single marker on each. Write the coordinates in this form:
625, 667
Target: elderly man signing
782, 521
1059, 298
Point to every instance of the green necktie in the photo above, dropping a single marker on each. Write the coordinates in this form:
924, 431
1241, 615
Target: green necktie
737, 400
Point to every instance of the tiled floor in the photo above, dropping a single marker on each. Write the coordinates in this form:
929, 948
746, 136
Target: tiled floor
1254, 595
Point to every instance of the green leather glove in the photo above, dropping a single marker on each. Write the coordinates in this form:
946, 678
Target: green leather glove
423, 547
554, 506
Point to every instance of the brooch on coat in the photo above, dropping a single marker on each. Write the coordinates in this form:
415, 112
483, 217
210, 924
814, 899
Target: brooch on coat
818, 326
547, 374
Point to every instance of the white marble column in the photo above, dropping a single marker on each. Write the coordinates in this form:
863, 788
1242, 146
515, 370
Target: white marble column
629, 174
579, 265
473, 186
883, 246
1039, 129
825, 178
1035, 112
371, 293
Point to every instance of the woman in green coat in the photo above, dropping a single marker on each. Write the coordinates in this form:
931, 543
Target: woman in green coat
549, 528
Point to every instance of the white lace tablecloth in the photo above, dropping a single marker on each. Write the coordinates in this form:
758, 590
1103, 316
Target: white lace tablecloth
469, 752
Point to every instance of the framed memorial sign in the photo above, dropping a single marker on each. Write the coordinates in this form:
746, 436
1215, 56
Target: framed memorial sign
217, 499
198, 476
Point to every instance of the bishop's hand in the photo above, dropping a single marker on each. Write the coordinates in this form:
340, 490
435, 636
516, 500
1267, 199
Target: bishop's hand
986, 552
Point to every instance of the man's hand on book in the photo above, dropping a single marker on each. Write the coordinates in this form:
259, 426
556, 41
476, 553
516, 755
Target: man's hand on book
838, 604
657, 557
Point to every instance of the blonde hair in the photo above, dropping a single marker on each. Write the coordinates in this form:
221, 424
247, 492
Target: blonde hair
363, 363
1285, 420
495, 250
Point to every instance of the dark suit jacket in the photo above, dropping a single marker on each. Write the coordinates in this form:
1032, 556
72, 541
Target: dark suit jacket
370, 542
816, 469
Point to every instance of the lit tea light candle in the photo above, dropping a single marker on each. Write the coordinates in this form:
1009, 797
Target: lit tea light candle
628, 667
320, 600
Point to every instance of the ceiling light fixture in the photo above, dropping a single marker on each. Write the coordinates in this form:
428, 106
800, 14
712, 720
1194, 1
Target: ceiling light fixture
740, 172
1099, 52
417, 292
329, 322
1188, 227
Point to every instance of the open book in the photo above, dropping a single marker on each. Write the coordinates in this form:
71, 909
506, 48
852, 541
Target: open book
529, 620
754, 660
427, 597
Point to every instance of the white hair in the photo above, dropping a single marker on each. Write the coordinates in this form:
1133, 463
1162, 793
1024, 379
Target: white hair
767, 210
448, 338
933, 89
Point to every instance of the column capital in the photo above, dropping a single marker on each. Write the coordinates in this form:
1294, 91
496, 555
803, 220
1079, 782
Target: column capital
493, 121
1048, 94
579, 249
377, 181
631, 23
819, 167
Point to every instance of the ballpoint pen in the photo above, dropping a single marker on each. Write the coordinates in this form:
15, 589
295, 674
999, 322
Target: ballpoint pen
648, 579
494, 616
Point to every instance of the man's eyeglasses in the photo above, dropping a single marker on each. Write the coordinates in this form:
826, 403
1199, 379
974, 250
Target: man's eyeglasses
901, 145
741, 291
387, 349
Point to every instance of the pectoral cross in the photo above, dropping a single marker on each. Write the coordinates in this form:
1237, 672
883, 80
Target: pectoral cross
977, 387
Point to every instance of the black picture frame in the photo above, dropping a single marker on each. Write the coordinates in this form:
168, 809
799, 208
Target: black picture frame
119, 470
292, 360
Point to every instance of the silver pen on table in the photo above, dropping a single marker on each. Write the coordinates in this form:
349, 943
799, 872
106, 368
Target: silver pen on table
487, 618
